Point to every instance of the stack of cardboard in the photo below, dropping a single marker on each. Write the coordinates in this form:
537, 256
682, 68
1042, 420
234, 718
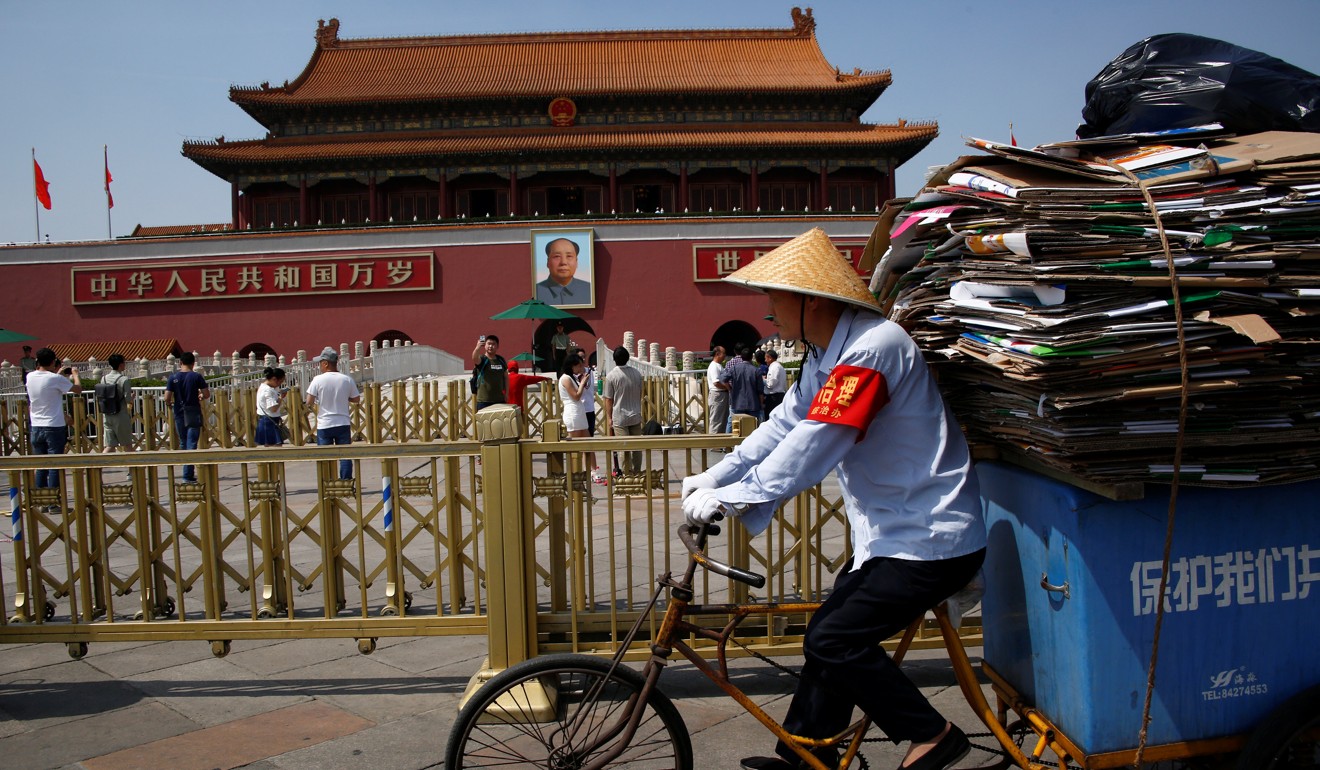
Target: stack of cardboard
1036, 281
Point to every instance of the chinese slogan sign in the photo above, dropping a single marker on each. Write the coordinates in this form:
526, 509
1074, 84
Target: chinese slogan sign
713, 261
263, 277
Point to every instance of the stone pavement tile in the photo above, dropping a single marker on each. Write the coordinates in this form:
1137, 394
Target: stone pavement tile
214, 691
18, 658
67, 692
433, 654
61, 744
269, 659
236, 743
412, 743
131, 659
370, 688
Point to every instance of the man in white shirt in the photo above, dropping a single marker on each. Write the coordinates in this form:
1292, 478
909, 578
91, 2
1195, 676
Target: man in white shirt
776, 382
46, 387
330, 392
867, 406
717, 404
623, 404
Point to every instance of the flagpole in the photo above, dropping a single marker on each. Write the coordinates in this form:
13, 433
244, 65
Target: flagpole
109, 234
36, 207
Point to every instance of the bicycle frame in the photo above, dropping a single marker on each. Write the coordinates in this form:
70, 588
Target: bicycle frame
675, 627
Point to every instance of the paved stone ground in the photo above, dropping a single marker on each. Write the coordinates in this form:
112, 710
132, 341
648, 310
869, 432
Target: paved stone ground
316, 704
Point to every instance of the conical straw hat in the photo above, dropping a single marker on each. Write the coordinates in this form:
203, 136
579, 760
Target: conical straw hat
808, 264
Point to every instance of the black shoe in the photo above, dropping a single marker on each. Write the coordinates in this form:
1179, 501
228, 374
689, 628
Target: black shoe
767, 763
951, 748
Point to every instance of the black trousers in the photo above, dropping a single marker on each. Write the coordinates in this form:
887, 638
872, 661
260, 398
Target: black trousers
846, 666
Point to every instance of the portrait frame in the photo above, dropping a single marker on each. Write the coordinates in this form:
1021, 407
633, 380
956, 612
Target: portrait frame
544, 289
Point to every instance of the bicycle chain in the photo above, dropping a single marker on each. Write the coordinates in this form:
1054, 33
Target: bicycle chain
995, 750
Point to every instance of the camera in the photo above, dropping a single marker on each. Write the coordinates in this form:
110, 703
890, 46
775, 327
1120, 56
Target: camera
66, 371
284, 388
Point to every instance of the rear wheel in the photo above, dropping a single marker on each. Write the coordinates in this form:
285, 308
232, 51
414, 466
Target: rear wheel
559, 712
1288, 738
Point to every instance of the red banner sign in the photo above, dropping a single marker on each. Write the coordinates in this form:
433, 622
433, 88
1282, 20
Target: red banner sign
713, 261
257, 277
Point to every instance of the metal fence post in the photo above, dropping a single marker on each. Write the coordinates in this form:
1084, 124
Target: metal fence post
510, 554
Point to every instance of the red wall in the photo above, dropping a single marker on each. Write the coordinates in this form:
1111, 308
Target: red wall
643, 286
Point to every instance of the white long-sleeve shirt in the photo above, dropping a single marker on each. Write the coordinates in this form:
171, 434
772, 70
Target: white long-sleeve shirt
908, 484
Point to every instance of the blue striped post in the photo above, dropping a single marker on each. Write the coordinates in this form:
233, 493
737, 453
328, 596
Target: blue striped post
15, 515
387, 498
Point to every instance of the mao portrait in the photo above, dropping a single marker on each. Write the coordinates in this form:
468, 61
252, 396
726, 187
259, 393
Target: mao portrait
562, 267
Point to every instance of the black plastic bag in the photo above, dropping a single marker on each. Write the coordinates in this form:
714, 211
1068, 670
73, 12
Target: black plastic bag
1180, 80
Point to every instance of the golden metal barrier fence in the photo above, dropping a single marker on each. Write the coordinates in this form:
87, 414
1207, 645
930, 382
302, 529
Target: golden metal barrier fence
507, 537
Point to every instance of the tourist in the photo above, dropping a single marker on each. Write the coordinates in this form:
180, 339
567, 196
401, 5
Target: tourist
116, 406
623, 405
491, 371
574, 389
331, 392
271, 408
745, 386
776, 382
717, 405
46, 386
184, 391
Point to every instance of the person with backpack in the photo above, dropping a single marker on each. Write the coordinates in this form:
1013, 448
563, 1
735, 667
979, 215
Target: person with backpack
490, 373
114, 398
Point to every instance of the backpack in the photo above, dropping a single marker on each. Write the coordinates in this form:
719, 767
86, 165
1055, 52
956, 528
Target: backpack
474, 384
109, 397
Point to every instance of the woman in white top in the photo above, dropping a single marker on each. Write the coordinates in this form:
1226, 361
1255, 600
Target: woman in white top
270, 407
574, 389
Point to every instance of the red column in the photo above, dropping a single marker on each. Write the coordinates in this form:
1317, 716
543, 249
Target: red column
304, 215
614, 189
235, 213
444, 212
682, 201
513, 191
755, 189
824, 188
373, 209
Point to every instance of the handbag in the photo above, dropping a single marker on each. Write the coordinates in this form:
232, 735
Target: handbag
284, 430
474, 384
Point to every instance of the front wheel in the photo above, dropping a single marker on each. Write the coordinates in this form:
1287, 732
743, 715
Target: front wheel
1289, 737
559, 712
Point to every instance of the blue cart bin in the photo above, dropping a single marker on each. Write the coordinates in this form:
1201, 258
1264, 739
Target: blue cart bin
1242, 608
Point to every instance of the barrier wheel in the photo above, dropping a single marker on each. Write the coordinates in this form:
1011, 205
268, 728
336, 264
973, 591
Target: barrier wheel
266, 613
366, 646
220, 649
389, 610
168, 608
77, 650
1288, 738
407, 600
49, 614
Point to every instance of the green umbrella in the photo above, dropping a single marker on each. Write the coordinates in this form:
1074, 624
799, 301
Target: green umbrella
532, 308
527, 357
9, 335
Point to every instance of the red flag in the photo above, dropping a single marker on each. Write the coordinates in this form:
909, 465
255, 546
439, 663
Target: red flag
109, 199
1012, 139
43, 187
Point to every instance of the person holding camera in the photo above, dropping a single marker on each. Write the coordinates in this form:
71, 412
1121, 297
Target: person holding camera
270, 407
46, 386
492, 372
575, 387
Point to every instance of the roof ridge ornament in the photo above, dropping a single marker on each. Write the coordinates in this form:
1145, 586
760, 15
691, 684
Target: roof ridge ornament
803, 23
327, 35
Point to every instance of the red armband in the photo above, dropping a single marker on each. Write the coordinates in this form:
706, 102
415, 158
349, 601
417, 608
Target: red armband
851, 396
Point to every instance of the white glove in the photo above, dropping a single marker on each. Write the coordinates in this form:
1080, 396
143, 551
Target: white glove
701, 507
699, 481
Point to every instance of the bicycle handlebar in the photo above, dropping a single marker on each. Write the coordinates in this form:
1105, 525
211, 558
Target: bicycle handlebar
694, 538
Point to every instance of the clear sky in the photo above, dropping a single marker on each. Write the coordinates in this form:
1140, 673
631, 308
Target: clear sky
142, 76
